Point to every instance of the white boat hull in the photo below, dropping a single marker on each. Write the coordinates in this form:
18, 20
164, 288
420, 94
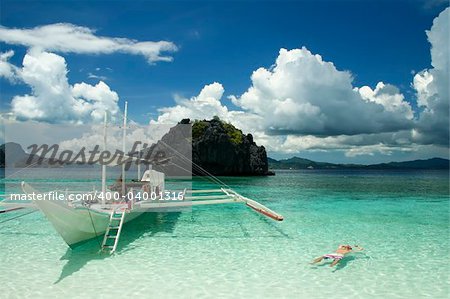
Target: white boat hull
76, 225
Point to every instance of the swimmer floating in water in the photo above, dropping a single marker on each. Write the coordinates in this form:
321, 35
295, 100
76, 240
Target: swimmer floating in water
338, 255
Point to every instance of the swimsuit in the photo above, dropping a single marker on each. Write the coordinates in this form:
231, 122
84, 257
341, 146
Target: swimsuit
335, 256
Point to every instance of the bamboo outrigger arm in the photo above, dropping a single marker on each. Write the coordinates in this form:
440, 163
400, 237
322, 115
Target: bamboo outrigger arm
10, 206
256, 206
204, 197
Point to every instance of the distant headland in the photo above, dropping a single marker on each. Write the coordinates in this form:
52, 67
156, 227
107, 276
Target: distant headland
300, 163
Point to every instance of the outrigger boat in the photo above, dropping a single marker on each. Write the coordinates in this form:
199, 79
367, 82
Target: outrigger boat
80, 220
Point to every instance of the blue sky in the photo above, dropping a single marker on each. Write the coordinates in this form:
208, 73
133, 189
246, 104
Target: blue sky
226, 41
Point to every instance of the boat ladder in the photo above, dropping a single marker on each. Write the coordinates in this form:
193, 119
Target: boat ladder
112, 234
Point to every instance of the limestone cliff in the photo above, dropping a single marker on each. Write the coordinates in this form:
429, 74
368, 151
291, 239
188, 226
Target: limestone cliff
222, 149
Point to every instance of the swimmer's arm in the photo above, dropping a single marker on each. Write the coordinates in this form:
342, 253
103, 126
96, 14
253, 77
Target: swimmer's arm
358, 248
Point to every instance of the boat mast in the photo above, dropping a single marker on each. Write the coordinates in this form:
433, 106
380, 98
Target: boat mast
103, 165
139, 162
123, 146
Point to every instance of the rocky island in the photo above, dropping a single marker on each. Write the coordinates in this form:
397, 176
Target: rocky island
222, 149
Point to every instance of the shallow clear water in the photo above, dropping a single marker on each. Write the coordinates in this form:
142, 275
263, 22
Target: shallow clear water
401, 218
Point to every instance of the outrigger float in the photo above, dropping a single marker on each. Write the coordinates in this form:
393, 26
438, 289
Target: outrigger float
80, 220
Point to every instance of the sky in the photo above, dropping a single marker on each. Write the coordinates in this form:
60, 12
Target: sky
339, 81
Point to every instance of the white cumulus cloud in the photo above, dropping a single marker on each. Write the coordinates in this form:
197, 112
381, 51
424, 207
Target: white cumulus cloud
354, 145
389, 97
209, 103
7, 70
303, 94
432, 87
52, 98
206, 105
69, 38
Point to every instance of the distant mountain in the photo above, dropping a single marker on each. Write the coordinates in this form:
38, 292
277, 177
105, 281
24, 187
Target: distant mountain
434, 163
301, 163
13, 155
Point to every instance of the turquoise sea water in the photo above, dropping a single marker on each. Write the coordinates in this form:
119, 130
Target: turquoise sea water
228, 251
